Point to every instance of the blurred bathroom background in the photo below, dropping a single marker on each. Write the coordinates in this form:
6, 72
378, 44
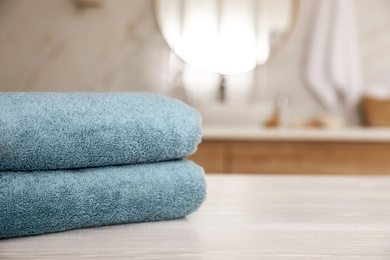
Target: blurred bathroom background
118, 45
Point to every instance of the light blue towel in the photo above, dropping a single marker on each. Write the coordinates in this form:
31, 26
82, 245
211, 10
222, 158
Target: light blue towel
46, 201
40, 131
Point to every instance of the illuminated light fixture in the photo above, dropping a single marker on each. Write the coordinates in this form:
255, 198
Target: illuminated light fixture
223, 36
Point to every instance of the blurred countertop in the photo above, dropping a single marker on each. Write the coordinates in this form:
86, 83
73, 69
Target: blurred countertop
358, 134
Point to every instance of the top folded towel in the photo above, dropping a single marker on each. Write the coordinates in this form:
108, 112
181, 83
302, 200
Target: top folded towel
42, 131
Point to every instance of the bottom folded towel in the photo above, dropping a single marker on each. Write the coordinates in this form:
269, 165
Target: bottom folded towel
40, 202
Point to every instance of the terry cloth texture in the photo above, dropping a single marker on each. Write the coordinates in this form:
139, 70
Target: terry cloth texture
50, 201
47, 131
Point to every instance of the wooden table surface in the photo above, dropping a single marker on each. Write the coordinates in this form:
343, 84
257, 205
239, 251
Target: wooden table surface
244, 217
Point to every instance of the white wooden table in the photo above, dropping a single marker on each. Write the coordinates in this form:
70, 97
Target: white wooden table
244, 217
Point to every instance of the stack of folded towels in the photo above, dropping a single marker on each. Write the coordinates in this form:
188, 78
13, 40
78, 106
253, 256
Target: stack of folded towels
80, 160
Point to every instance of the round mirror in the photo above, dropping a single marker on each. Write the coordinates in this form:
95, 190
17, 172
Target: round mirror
225, 36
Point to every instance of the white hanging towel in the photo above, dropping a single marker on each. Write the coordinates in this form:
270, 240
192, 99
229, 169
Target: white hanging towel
333, 64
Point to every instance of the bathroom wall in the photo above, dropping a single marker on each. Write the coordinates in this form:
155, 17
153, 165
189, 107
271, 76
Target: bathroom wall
50, 45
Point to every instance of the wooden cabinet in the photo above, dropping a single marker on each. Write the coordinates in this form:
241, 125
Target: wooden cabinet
297, 157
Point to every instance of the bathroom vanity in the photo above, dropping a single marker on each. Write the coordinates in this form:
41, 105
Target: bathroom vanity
259, 150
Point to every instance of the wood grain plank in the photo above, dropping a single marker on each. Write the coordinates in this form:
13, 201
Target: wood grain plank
212, 156
311, 157
291, 157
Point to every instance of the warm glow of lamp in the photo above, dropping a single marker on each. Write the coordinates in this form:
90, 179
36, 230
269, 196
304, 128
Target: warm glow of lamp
223, 36
223, 43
